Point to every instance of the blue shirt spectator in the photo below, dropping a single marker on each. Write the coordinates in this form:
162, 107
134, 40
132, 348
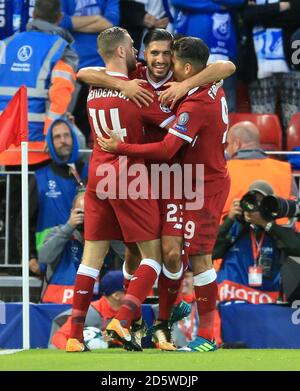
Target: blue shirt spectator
14, 16
86, 19
214, 22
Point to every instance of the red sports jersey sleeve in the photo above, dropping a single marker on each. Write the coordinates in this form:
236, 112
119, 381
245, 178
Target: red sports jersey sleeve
189, 120
202, 121
163, 150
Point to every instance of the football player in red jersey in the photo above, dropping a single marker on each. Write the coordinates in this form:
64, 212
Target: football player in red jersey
114, 209
199, 132
157, 74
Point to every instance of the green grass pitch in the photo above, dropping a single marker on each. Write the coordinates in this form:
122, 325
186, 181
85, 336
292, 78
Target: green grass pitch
152, 360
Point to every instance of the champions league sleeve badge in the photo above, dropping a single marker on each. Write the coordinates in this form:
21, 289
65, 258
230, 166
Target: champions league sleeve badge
183, 119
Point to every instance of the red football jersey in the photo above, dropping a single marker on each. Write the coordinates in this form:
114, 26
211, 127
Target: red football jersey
202, 121
154, 133
110, 109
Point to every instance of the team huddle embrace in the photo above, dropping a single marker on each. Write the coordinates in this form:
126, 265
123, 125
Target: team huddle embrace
157, 180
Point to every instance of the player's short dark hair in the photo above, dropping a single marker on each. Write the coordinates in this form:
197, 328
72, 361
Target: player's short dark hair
193, 50
157, 35
48, 10
108, 41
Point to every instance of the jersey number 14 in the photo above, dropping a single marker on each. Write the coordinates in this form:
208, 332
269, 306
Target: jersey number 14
98, 116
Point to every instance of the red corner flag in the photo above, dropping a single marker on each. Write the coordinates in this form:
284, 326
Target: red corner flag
14, 121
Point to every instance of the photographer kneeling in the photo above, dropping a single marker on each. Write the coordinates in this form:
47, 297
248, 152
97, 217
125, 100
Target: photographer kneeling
253, 248
61, 252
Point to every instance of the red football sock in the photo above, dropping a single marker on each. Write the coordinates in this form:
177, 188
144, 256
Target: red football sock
83, 293
206, 298
168, 290
138, 290
126, 285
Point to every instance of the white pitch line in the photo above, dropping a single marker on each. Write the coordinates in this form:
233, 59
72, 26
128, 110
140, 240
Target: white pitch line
10, 351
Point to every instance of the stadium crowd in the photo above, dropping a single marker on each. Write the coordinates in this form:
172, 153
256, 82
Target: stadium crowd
152, 87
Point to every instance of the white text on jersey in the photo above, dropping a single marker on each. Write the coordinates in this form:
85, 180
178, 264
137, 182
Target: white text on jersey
105, 93
212, 92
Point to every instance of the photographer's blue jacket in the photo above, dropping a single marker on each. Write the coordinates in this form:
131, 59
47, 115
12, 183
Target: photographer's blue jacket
86, 43
239, 257
61, 252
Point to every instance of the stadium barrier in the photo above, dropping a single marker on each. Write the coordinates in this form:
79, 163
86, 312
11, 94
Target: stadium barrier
41, 317
238, 319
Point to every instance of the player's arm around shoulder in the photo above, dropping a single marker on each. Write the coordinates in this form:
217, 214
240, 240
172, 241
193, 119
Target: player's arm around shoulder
94, 76
214, 72
132, 89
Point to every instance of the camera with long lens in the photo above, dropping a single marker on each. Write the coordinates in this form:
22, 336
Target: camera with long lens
272, 207
249, 202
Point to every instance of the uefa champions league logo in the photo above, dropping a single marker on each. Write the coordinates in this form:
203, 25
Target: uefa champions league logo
24, 53
51, 184
52, 193
165, 108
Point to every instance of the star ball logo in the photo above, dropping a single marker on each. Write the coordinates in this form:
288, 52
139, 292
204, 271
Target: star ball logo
165, 108
51, 184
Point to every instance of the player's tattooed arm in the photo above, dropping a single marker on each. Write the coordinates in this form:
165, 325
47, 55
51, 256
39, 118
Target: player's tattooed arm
213, 72
133, 89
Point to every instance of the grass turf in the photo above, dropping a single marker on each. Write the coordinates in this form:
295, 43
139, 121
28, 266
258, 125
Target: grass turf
152, 360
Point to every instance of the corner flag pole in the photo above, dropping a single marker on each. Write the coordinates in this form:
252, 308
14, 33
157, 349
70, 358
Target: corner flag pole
25, 220
25, 246
14, 130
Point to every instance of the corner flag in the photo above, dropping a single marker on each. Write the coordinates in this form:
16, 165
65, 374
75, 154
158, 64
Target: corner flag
14, 121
